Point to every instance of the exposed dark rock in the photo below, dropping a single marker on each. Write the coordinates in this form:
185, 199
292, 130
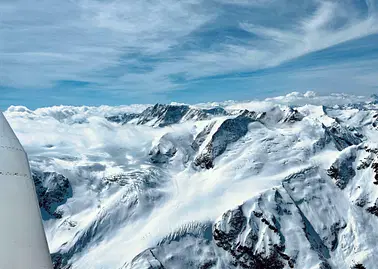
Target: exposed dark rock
366, 162
163, 115
226, 234
59, 261
204, 161
230, 131
372, 150
358, 266
314, 238
369, 161
361, 202
163, 151
325, 265
342, 169
123, 118
340, 136
53, 190
335, 230
216, 111
375, 120
173, 147
235, 222
160, 156
375, 169
201, 137
204, 114
292, 115
278, 115
259, 260
373, 210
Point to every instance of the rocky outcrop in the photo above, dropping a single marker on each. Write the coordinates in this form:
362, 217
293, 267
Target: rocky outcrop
230, 131
374, 166
279, 229
161, 115
201, 137
59, 261
341, 136
338, 135
244, 236
292, 115
204, 114
371, 160
173, 148
375, 121
358, 266
53, 190
366, 162
279, 115
163, 151
342, 170
227, 230
373, 209
123, 118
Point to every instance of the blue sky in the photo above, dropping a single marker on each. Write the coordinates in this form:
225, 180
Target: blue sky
95, 52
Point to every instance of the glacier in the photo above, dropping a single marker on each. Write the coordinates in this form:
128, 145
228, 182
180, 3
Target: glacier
285, 182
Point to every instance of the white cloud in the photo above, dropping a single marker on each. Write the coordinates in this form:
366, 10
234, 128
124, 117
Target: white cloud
312, 34
321, 18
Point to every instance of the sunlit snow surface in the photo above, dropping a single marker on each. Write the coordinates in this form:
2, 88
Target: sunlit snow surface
122, 203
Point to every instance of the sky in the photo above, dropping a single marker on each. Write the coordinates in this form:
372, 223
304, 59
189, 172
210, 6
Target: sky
94, 52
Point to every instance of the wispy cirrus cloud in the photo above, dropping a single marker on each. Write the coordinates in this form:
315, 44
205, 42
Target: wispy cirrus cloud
167, 49
46, 41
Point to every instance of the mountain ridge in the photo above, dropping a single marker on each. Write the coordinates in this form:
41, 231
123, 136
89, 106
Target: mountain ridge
268, 184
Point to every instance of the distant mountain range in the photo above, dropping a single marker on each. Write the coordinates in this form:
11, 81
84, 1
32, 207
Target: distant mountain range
288, 182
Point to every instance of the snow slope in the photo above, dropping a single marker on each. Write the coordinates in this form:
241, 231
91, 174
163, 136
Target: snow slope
287, 182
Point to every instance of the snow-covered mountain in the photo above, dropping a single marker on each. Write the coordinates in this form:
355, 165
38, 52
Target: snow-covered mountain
287, 182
